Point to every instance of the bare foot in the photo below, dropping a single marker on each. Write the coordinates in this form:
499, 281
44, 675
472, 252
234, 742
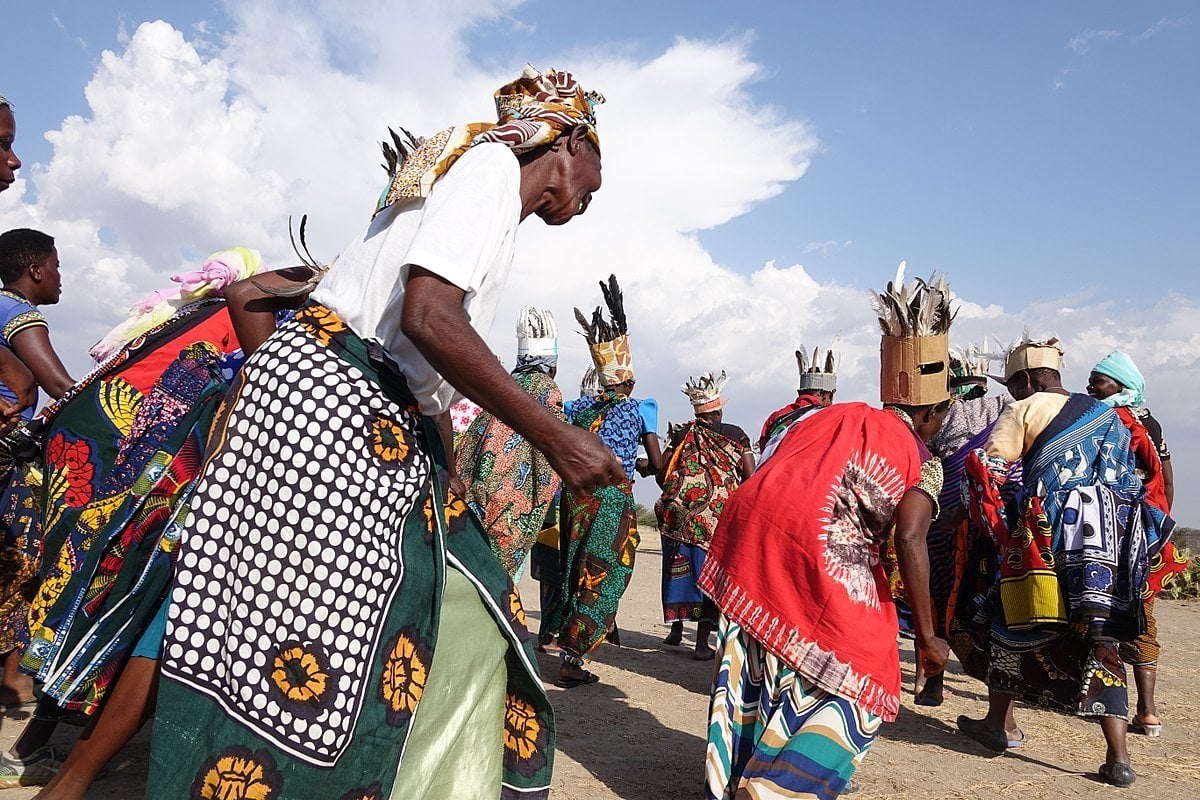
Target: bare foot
675, 637
703, 653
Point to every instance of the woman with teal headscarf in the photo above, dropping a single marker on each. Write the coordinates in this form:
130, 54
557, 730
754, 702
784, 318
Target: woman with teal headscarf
1118, 383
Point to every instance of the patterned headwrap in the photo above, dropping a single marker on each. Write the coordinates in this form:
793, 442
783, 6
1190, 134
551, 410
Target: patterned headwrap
219, 270
704, 393
1120, 367
537, 341
532, 111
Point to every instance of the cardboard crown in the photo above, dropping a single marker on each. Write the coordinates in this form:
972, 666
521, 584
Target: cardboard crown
914, 370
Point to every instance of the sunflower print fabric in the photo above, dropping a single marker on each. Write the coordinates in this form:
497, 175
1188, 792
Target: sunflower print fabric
237, 774
344, 535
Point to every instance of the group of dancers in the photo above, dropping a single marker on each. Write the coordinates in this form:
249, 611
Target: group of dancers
267, 520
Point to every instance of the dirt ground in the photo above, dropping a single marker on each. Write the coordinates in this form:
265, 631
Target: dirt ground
639, 734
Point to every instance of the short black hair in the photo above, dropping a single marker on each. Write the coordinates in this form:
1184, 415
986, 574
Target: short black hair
912, 411
20, 248
1044, 375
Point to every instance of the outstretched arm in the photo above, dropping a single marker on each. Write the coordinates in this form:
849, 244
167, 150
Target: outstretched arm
435, 321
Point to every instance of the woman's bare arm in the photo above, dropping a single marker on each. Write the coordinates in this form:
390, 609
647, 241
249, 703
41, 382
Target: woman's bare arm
252, 308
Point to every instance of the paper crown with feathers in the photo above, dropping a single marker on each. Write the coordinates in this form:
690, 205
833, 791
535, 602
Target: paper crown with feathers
608, 341
814, 375
1029, 353
704, 392
969, 368
915, 352
537, 333
589, 386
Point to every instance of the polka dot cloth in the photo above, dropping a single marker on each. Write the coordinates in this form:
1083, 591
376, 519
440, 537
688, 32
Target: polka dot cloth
294, 540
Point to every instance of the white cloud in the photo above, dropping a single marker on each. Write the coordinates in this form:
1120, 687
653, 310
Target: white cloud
1083, 42
826, 247
1164, 24
195, 144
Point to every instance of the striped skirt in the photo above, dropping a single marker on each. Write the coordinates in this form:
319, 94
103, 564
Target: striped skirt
773, 734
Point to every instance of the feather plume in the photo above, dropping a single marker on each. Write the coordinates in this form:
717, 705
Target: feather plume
919, 308
306, 258
395, 154
598, 329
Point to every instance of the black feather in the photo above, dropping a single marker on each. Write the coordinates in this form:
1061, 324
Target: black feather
583, 323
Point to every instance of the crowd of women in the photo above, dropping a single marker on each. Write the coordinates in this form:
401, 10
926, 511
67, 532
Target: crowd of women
288, 508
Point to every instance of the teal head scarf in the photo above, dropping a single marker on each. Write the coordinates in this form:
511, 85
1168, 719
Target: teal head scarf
1120, 367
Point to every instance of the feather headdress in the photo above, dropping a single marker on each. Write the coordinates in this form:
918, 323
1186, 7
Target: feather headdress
971, 361
914, 356
608, 340
599, 330
537, 332
1029, 353
318, 269
814, 374
589, 386
537, 340
921, 308
704, 392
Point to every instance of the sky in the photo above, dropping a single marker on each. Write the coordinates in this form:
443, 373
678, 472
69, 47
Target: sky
765, 164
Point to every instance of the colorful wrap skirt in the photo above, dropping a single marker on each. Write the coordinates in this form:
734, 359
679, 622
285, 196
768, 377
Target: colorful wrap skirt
773, 734
308, 600
20, 555
682, 600
1070, 672
602, 544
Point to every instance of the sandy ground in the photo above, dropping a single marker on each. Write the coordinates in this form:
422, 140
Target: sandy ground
639, 734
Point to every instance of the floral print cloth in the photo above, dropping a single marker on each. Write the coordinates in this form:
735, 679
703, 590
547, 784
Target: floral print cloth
510, 485
304, 628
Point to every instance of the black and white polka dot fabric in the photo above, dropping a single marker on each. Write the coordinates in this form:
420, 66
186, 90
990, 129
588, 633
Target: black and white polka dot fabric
292, 551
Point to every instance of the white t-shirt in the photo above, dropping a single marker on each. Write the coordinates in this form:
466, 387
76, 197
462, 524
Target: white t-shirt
465, 232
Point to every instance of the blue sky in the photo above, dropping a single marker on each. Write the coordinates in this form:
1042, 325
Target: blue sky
972, 138
1043, 155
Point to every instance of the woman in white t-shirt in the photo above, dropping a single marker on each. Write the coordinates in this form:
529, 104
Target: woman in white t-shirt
328, 584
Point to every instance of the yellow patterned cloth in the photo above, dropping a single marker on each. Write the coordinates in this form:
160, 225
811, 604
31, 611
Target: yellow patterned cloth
532, 111
613, 360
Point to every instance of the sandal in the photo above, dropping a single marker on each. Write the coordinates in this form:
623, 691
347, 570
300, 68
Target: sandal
994, 740
1139, 727
1118, 774
571, 683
